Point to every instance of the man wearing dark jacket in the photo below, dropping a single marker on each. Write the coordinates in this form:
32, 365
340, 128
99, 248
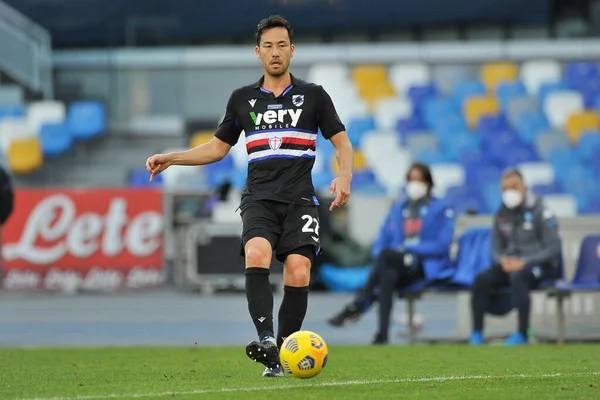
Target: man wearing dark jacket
525, 251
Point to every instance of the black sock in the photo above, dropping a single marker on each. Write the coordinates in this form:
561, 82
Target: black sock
292, 311
260, 300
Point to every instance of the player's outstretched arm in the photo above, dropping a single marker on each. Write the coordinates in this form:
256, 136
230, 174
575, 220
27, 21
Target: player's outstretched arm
345, 159
203, 154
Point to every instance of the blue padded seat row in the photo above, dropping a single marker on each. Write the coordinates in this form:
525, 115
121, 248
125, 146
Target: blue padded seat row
220, 172
530, 124
419, 95
588, 146
358, 127
11, 111
493, 123
508, 91
578, 73
551, 87
590, 92
463, 89
406, 127
587, 273
86, 119
55, 139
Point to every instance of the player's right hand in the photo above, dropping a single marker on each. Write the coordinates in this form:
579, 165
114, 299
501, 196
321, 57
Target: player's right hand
157, 164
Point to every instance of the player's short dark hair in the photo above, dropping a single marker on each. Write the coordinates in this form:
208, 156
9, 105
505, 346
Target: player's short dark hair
425, 171
510, 172
273, 21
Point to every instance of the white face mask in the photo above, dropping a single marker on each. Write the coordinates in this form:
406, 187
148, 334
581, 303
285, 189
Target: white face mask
512, 198
416, 190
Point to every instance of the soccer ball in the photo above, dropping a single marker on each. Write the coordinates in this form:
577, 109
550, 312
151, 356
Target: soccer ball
303, 354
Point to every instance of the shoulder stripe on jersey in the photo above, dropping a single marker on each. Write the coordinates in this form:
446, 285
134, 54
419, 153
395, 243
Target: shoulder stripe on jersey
280, 130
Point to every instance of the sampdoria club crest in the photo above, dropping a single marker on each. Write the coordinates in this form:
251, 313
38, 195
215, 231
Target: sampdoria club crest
298, 99
275, 142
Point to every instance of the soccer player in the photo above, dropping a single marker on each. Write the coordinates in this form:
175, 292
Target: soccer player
281, 116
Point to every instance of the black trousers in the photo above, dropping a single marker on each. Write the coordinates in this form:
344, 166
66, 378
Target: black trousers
521, 282
389, 273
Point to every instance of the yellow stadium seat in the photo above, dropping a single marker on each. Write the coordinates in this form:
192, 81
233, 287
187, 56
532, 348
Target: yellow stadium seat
581, 122
366, 75
495, 73
374, 93
201, 138
360, 163
24, 156
477, 106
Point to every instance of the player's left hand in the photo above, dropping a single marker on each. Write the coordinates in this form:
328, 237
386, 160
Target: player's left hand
341, 187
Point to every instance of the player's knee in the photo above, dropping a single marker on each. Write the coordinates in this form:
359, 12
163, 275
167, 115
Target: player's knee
257, 257
297, 273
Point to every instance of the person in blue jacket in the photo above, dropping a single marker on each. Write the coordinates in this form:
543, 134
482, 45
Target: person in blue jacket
413, 245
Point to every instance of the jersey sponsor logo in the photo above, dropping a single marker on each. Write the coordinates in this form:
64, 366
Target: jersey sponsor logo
272, 119
298, 100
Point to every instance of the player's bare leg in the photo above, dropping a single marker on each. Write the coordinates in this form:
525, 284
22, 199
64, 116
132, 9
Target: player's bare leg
260, 304
296, 279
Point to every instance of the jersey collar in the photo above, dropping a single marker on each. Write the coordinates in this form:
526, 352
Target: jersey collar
259, 83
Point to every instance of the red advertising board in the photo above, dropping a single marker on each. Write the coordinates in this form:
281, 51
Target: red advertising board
98, 239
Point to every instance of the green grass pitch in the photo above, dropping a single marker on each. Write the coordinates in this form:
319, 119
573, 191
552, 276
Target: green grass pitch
389, 372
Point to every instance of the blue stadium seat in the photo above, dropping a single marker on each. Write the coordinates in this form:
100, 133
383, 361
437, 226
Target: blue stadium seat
474, 255
438, 108
593, 206
578, 73
463, 199
493, 123
520, 154
55, 139
561, 158
238, 178
419, 96
492, 196
358, 127
590, 92
408, 126
365, 182
530, 124
507, 91
587, 274
343, 279
322, 179
463, 142
10, 111
464, 89
571, 172
546, 189
220, 172
588, 146
86, 119
551, 87
432, 156
140, 178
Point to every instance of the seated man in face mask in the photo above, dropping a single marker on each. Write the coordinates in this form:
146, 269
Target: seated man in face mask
413, 244
525, 251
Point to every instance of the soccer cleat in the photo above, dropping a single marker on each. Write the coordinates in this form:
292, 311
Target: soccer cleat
516, 339
348, 315
276, 372
380, 339
266, 353
476, 339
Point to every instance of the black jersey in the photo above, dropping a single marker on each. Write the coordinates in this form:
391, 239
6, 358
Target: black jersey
281, 137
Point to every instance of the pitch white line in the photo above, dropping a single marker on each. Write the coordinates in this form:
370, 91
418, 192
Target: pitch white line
310, 385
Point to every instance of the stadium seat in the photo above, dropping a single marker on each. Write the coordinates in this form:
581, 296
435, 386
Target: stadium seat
45, 112
420, 95
546, 189
389, 110
403, 76
55, 139
218, 173
432, 156
590, 92
562, 158
548, 88
86, 119
492, 196
558, 106
421, 141
495, 73
578, 73
358, 127
519, 105
474, 255
539, 173
360, 163
581, 122
327, 73
373, 93
176, 176
367, 75
466, 88
530, 124
24, 155
140, 178
546, 142
201, 137
436, 109
563, 205
14, 129
536, 73
460, 143
588, 146
508, 91
463, 199
446, 176
492, 123
587, 272
408, 127
390, 168
478, 106
14, 111
444, 75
